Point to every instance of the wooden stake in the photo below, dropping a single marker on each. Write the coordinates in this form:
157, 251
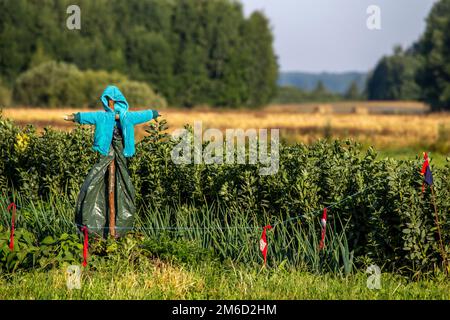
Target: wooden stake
436, 219
112, 207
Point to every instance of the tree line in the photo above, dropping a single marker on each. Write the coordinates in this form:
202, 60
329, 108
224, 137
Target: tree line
188, 51
421, 72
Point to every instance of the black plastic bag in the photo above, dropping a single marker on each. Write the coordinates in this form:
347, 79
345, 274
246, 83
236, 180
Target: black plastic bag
92, 207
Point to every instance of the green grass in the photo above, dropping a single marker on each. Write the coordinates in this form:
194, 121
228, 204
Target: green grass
159, 280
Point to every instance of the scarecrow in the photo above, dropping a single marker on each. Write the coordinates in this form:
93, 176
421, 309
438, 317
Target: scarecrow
106, 201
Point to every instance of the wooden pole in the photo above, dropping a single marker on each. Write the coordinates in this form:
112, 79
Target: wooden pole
436, 219
112, 207
111, 187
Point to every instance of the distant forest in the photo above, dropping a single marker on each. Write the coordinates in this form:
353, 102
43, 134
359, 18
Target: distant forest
421, 72
335, 82
190, 52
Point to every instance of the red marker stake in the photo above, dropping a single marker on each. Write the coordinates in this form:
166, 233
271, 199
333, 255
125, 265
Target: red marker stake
85, 246
263, 243
323, 222
13, 218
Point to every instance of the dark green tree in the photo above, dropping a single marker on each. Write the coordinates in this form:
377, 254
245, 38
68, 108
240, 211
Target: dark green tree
434, 48
191, 51
226, 60
262, 66
189, 45
353, 92
150, 59
394, 77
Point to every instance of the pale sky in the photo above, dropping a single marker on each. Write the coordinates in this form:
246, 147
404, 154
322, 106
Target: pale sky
331, 35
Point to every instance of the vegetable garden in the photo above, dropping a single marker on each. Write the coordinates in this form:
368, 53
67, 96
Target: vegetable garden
194, 212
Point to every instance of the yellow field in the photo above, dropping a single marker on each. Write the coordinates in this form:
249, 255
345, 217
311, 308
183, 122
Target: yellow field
296, 123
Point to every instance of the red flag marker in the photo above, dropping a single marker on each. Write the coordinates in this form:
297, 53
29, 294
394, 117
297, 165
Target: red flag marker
263, 243
13, 219
426, 172
323, 222
85, 246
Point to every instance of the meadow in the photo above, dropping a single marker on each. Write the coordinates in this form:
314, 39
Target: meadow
397, 129
385, 125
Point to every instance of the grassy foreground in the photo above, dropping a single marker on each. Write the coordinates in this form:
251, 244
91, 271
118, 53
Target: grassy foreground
162, 280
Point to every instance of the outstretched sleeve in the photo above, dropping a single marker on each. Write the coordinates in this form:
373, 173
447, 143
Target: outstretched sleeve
138, 117
87, 117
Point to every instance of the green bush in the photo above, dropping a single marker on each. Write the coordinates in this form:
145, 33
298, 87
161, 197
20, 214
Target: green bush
94, 82
66, 249
25, 253
38, 163
29, 253
178, 250
58, 84
52, 84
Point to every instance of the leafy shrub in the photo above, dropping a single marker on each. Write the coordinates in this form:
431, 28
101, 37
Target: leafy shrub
126, 251
67, 249
29, 253
50, 84
178, 250
53, 252
25, 253
56, 84
95, 81
38, 163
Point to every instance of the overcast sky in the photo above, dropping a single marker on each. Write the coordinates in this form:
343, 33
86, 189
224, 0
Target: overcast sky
331, 35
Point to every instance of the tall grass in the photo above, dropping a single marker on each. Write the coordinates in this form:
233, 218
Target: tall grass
234, 233
231, 233
53, 217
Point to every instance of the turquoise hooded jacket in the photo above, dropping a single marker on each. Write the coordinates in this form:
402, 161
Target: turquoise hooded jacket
104, 121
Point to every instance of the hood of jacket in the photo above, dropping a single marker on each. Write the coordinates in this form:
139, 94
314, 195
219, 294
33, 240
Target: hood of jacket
120, 102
